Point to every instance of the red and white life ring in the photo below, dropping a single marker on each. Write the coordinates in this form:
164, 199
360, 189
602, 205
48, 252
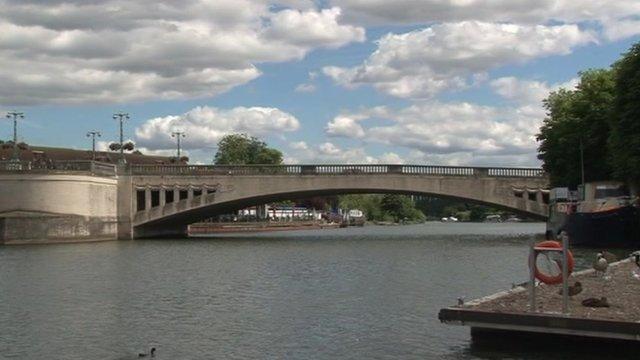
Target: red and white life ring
549, 278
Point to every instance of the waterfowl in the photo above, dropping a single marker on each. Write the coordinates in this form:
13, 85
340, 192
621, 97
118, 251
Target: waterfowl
636, 257
595, 303
151, 353
600, 265
575, 289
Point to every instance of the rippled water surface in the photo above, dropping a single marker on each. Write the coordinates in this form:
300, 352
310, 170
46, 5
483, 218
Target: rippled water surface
360, 293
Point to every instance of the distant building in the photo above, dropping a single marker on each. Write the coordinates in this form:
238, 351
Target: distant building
277, 212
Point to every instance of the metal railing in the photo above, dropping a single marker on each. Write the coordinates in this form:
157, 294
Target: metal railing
76, 166
433, 170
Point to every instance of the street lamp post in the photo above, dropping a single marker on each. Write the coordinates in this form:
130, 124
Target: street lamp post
93, 135
15, 115
121, 116
178, 135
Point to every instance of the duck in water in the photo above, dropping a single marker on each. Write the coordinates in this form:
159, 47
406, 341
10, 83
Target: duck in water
151, 353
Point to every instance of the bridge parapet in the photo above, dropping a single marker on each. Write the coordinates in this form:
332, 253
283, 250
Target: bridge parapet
238, 170
59, 167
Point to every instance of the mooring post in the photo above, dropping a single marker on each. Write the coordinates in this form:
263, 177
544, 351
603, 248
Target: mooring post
532, 278
565, 274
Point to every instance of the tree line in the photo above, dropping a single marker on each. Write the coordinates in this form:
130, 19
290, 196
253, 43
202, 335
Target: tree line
598, 120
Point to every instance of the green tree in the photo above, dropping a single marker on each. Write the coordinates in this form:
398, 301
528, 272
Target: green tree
575, 117
624, 141
241, 149
400, 207
369, 204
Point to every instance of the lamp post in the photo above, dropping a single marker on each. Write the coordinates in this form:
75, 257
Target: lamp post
178, 135
93, 135
15, 115
121, 116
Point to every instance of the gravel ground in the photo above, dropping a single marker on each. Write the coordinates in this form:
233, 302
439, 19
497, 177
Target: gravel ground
622, 291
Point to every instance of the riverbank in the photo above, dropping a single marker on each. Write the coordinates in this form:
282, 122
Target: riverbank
250, 227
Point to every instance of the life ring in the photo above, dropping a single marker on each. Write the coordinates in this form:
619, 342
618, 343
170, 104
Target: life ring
547, 278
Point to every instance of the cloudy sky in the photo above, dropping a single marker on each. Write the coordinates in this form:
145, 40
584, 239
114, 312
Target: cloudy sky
343, 81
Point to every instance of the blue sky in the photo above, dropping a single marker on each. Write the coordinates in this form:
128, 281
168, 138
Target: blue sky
355, 81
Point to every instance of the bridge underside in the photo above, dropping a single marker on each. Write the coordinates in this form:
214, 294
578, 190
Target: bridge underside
225, 195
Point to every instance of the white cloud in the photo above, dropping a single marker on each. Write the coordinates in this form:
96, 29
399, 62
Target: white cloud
312, 28
329, 153
205, 126
461, 133
345, 125
391, 158
383, 12
423, 63
329, 149
116, 51
299, 145
444, 128
305, 88
621, 29
527, 92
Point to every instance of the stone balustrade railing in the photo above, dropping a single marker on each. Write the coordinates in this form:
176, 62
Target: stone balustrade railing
237, 170
105, 169
53, 167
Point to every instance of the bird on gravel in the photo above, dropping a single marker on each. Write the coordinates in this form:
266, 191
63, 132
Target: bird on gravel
595, 303
600, 265
636, 257
575, 289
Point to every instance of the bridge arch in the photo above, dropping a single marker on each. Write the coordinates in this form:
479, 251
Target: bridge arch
216, 193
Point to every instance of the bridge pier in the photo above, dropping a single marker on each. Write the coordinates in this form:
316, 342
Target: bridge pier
125, 207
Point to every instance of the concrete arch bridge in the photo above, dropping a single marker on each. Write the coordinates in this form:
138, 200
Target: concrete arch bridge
163, 200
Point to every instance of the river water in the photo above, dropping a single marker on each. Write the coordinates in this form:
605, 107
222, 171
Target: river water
357, 293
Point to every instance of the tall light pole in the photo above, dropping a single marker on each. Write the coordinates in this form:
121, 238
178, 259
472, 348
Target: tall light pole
15, 115
93, 135
178, 135
121, 116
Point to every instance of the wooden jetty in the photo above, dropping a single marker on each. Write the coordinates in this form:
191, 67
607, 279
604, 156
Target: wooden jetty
510, 312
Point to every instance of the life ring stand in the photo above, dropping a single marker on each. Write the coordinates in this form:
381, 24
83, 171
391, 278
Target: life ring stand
548, 279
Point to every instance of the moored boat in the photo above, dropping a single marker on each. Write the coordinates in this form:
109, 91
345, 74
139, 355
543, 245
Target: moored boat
604, 216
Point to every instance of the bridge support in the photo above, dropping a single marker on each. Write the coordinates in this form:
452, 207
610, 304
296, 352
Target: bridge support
125, 207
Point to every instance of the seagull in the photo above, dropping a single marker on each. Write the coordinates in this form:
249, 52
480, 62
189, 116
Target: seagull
600, 265
573, 290
636, 257
594, 303
152, 353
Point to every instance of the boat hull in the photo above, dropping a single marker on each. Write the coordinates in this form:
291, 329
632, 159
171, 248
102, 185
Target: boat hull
612, 228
